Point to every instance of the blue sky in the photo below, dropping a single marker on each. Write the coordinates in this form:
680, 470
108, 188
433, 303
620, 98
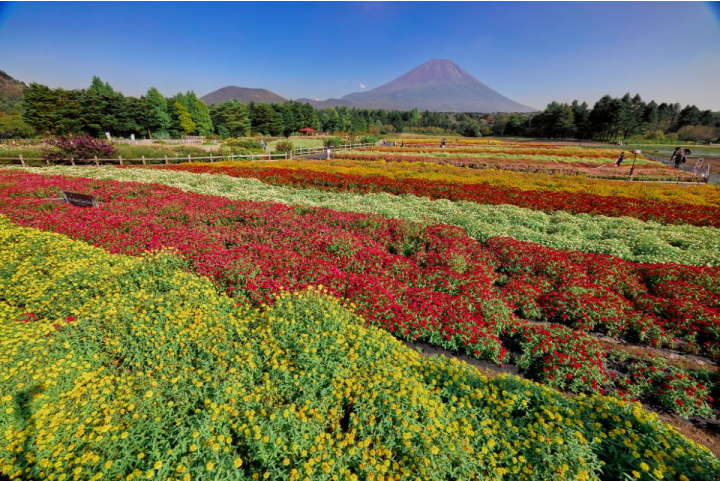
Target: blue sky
531, 52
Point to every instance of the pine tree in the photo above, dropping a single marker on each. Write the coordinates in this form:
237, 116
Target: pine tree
159, 121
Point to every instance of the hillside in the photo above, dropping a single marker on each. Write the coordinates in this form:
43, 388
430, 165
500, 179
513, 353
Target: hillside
11, 93
244, 95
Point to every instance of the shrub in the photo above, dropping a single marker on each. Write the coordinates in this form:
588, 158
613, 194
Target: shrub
243, 144
81, 149
332, 142
697, 133
369, 139
284, 146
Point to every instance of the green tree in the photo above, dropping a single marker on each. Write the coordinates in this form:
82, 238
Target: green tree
39, 107
469, 128
265, 120
231, 118
13, 126
414, 119
159, 120
690, 115
187, 126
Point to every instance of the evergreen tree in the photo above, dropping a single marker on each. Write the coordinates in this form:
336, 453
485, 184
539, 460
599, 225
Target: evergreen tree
40, 105
231, 119
187, 126
264, 120
651, 116
159, 121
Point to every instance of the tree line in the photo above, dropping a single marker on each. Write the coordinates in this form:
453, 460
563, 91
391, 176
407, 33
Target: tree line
99, 109
609, 119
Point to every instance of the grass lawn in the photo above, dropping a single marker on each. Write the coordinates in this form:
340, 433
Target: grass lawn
298, 142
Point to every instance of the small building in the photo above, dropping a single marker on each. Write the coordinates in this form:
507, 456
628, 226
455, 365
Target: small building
307, 131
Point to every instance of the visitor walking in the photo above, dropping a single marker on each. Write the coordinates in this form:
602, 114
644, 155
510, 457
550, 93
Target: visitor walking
402, 144
680, 157
442, 144
620, 160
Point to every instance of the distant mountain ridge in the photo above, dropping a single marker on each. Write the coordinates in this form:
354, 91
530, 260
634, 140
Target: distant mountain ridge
244, 96
436, 85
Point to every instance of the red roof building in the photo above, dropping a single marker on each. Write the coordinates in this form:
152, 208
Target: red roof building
307, 131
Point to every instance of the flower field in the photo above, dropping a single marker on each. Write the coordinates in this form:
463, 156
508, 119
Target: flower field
623, 237
522, 157
650, 171
430, 171
261, 307
577, 203
144, 371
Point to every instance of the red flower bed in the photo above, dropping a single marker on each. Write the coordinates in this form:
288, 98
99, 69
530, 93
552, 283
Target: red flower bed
578, 203
649, 303
414, 148
400, 276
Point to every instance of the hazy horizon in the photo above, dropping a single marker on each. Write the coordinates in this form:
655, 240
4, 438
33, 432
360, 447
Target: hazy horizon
531, 53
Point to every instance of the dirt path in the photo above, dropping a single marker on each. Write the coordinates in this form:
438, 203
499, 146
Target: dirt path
702, 431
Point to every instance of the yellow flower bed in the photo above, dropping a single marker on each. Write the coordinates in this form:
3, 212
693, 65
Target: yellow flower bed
131, 368
699, 195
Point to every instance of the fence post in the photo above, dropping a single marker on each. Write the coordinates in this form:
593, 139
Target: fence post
97, 164
72, 161
232, 157
252, 157
22, 161
166, 160
143, 159
120, 157
211, 159
47, 161
189, 160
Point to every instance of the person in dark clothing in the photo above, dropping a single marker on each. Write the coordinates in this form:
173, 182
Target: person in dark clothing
676, 157
620, 160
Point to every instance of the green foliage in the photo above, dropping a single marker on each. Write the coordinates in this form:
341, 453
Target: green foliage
369, 139
469, 128
697, 133
331, 142
231, 119
265, 120
11, 94
128, 151
13, 126
284, 146
184, 118
159, 121
243, 144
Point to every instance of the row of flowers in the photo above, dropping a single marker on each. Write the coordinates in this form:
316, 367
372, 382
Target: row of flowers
431, 284
624, 237
433, 171
644, 171
607, 154
130, 368
578, 203
518, 156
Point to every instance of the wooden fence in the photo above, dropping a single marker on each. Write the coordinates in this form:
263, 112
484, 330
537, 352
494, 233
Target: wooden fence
304, 151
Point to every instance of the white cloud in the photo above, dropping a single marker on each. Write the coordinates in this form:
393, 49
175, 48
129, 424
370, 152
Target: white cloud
362, 86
